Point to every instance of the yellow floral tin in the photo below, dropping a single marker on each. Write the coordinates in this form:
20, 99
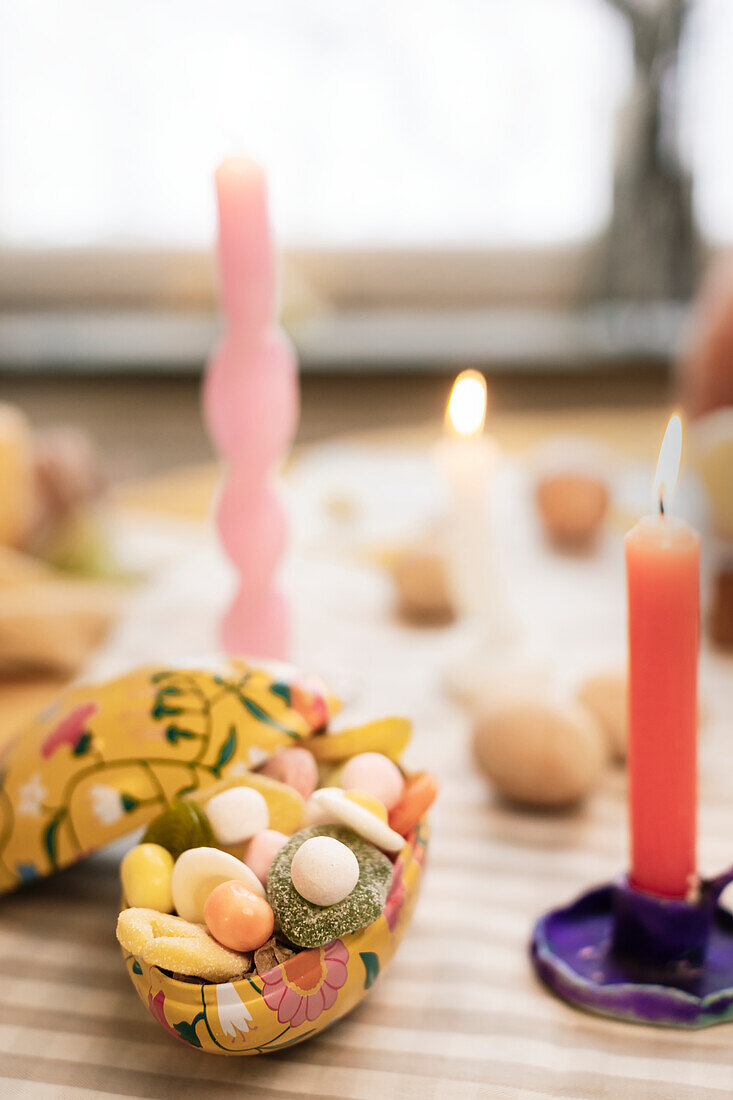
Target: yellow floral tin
264, 1013
105, 759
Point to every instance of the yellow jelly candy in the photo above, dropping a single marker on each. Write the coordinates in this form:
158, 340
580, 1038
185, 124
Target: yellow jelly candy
369, 802
286, 807
388, 735
172, 943
146, 873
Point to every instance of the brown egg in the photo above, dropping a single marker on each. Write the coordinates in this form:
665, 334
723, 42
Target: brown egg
423, 594
572, 507
606, 697
541, 755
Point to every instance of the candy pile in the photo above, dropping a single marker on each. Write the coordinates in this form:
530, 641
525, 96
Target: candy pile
288, 857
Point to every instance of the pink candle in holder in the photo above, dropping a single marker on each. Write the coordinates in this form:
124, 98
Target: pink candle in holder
250, 399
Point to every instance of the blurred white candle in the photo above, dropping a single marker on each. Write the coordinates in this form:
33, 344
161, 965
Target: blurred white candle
467, 459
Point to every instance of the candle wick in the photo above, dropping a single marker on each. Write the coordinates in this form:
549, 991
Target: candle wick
661, 505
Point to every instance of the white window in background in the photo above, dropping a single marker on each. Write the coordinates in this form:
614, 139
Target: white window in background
706, 126
471, 140
472, 123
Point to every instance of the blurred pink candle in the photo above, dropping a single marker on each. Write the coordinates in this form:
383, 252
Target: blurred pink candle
250, 402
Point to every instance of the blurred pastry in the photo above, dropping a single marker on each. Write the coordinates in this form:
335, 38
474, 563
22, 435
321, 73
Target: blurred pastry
53, 625
67, 481
67, 470
572, 508
17, 498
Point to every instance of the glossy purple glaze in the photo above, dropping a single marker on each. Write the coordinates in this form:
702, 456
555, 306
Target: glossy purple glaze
621, 953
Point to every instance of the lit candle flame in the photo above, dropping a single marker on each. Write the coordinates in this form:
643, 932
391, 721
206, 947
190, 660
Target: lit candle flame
466, 412
668, 466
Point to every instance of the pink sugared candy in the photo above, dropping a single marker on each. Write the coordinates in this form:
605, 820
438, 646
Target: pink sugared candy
237, 918
261, 851
375, 774
296, 767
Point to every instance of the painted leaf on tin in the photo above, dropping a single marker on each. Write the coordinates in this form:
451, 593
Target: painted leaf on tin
371, 967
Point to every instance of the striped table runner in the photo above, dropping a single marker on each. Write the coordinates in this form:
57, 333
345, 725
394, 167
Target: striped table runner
459, 1013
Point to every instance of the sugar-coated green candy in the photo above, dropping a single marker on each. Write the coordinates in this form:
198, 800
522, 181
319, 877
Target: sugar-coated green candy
181, 826
309, 925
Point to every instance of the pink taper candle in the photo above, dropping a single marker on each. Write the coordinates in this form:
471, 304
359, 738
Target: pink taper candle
251, 411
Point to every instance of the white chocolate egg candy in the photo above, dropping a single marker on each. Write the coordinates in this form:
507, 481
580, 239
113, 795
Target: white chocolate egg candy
198, 871
375, 774
331, 805
324, 871
237, 814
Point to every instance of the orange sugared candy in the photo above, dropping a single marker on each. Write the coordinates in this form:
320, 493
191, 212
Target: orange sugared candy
419, 795
237, 918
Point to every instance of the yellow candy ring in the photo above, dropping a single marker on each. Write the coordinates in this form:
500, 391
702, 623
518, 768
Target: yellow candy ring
169, 942
390, 736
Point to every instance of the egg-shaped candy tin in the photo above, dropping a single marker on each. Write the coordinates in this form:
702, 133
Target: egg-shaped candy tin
105, 759
264, 1013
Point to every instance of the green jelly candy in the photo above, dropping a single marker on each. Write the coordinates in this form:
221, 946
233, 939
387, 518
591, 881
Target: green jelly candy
309, 925
182, 826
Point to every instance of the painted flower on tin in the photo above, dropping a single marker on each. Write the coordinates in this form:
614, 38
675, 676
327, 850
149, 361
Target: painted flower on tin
306, 985
107, 804
234, 1016
31, 796
156, 1006
309, 698
395, 897
71, 731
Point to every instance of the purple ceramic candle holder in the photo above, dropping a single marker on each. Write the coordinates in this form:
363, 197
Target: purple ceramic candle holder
632, 956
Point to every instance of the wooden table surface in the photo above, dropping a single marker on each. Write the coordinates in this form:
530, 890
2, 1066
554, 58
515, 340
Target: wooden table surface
459, 1013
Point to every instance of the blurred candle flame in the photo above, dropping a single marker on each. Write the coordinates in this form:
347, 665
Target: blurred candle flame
466, 412
668, 466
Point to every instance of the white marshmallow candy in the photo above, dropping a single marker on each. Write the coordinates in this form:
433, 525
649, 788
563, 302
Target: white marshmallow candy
324, 871
329, 805
237, 814
198, 871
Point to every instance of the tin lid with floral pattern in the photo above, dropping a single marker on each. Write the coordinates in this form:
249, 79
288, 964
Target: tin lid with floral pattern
104, 759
